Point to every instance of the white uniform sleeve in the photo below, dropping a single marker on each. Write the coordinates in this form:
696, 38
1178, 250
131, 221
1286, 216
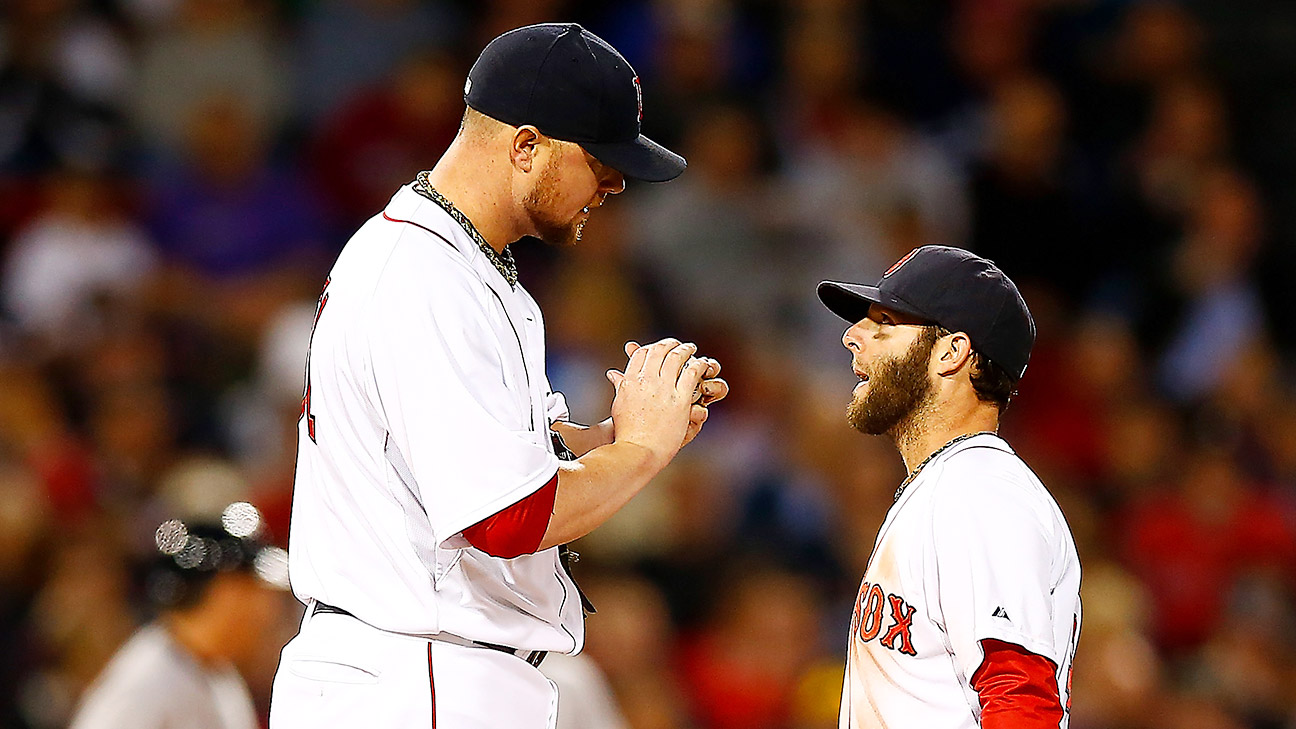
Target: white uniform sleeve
453, 397
992, 547
556, 406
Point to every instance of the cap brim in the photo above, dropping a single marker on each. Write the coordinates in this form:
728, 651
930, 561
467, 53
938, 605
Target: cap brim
851, 301
642, 159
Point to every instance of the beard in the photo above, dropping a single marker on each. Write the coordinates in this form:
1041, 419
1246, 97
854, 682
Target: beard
896, 390
539, 205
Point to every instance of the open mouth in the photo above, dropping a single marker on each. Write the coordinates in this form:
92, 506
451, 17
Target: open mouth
863, 378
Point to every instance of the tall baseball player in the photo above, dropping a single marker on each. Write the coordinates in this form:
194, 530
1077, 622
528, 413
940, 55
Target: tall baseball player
218, 589
434, 490
969, 612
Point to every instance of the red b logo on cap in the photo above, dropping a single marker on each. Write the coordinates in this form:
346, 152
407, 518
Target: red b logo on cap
900, 263
639, 97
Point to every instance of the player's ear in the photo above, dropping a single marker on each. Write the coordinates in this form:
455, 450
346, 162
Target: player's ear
524, 147
952, 353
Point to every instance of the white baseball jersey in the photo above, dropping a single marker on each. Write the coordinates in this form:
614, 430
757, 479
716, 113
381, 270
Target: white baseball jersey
427, 410
975, 548
154, 683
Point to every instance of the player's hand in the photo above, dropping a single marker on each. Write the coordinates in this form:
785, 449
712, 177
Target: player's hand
710, 390
655, 396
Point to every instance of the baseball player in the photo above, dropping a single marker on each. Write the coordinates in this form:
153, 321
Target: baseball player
218, 588
969, 612
438, 479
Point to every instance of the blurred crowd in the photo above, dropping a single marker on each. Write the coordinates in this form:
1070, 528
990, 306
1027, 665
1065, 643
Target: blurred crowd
177, 175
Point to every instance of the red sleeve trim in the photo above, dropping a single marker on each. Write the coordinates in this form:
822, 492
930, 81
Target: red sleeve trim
1018, 689
518, 529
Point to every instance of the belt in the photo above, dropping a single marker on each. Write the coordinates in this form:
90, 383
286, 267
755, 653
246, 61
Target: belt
535, 658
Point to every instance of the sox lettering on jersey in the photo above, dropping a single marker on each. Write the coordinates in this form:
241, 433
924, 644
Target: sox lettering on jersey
868, 619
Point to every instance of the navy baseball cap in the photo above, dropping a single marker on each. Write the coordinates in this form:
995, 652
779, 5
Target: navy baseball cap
955, 289
190, 552
571, 85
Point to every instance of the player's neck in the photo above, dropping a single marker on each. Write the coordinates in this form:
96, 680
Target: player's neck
928, 431
466, 180
189, 630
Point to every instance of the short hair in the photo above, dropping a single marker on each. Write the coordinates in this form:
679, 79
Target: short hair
990, 381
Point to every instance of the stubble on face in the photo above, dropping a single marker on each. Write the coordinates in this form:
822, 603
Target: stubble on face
897, 389
540, 203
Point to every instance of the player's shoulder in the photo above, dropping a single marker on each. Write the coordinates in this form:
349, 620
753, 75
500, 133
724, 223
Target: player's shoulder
134, 678
984, 472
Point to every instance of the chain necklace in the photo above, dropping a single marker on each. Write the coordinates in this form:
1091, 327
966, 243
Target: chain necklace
503, 262
914, 473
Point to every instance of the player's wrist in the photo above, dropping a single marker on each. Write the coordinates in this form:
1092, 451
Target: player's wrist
645, 457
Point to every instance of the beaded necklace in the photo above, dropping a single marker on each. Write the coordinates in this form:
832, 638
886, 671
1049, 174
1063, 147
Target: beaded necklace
914, 473
503, 262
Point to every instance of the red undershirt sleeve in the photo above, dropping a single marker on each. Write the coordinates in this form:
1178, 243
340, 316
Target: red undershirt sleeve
518, 529
1018, 689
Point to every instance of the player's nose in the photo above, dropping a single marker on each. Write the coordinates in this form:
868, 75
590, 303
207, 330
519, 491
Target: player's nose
852, 338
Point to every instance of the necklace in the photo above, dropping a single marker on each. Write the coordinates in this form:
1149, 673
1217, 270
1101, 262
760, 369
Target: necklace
503, 262
914, 474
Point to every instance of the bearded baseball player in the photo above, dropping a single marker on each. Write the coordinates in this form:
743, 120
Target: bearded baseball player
969, 612
438, 479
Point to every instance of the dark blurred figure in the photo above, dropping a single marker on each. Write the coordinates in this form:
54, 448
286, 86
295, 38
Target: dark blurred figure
78, 253
1214, 295
64, 74
742, 669
346, 46
1193, 544
1026, 212
369, 146
25, 528
210, 48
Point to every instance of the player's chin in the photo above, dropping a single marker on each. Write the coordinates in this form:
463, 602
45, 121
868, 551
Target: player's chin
563, 236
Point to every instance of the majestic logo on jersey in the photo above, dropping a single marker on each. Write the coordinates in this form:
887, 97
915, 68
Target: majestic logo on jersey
999, 612
896, 266
869, 618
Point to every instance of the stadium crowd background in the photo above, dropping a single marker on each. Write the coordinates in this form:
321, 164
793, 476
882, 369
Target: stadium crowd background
176, 175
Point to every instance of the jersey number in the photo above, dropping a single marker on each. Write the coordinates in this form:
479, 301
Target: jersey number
306, 397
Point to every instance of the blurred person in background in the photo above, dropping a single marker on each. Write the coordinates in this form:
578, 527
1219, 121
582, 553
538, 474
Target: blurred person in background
81, 250
344, 47
369, 145
743, 668
217, 587
208, 48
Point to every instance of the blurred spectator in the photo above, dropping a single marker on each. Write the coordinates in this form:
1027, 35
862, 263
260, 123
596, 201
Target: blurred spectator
382, 137
1193, 544
742, 669
79, 251
859, 198
635, 643
1219, 300
1025, 205
706, 238
213, 48
348, 45
593, 306
217, 589
64, 73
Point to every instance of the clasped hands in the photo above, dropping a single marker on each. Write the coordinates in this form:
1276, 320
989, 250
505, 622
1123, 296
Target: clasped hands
664, 392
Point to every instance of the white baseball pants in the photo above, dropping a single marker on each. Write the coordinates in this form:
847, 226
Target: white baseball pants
340, 672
